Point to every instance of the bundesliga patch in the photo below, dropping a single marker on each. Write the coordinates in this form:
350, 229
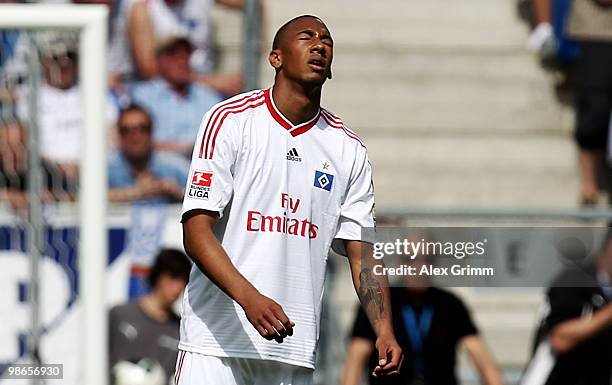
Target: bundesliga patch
199, 187
323, 180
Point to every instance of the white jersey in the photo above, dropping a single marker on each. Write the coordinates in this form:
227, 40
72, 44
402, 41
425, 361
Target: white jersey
285, 193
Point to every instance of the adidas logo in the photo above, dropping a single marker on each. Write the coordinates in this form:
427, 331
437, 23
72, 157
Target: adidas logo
293, 155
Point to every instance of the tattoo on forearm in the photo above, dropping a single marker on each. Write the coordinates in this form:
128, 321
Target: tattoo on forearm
370, 293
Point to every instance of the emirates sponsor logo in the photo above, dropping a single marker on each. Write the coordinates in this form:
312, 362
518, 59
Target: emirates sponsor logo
259, 222
286, 224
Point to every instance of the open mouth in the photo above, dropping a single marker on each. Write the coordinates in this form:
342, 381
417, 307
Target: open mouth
317, 65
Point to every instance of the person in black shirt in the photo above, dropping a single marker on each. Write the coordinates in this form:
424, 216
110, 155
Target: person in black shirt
579, 324
430, 324
148, 327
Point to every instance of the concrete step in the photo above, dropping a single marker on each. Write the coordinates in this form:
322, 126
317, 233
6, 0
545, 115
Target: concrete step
421, 23
444, 87
434, 12
449, 105
407, 64
474, 171
411, 64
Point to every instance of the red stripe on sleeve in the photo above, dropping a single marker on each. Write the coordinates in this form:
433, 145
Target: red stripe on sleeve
257, 102
340, 126
215, 115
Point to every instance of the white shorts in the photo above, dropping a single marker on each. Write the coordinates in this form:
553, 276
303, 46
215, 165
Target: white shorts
200, 369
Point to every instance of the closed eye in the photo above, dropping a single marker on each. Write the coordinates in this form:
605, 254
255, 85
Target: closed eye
306, 35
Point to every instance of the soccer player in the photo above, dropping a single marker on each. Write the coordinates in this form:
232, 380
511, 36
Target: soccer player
275, 181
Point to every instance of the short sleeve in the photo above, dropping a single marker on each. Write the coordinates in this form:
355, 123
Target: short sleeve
118, 174
463, 324
115, 340
210, 180
362, 327
357, 209
565, 304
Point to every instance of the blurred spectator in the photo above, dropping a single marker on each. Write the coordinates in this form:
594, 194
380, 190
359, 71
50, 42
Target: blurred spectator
59, 106
59, 114
429, 324
13, 64
590, 23
13, 165
14, 171
556, 50
148, 327
549, 34
137, 172
578, 327
174, 101
141, 23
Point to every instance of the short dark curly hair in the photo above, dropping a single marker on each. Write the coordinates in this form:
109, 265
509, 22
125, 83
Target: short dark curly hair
280, 34
172, 262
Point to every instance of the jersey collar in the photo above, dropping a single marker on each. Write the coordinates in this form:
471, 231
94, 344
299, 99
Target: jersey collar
278, 116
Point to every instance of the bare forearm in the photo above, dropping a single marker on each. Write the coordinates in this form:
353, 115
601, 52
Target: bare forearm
492, 376
483, 360
352, 373
542, 11
207, 253
374, 296
120, 195
372, 290
141, 38
569, 334
357, 356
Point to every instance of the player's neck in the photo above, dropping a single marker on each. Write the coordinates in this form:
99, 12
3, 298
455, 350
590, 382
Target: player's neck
297, 103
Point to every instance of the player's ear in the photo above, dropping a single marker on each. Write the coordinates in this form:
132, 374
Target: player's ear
275, 59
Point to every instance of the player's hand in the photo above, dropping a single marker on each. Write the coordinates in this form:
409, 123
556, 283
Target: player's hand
390, 356
268, 317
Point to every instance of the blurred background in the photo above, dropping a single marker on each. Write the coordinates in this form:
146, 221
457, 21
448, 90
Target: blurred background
475, 112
